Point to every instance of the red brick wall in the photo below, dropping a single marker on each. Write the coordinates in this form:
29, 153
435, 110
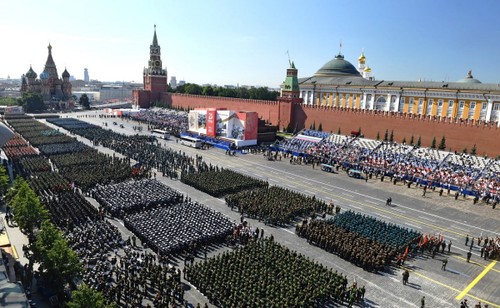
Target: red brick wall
458, 135
266, 110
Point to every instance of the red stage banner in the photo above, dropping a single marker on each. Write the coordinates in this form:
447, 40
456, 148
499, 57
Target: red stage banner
211, 121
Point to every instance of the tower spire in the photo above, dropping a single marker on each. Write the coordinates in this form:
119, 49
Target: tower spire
155, 40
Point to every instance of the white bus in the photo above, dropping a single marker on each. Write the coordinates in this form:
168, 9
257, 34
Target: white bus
191, 141
160, 134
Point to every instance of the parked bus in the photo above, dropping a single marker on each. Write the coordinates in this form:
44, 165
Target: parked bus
160, 134
191, 141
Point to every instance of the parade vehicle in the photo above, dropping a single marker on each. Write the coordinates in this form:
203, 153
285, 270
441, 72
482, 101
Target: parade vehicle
191, 141
357, 174
163, 134
327, 168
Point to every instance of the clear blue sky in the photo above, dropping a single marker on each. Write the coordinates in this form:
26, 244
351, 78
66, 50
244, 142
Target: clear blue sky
245, 41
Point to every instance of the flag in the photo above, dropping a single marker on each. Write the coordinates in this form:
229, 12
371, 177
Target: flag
406, 251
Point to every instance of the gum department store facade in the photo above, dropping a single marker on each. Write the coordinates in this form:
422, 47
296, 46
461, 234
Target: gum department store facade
342, 97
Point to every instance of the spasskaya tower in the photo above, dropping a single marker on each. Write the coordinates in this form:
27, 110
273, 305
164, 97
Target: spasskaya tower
154, 77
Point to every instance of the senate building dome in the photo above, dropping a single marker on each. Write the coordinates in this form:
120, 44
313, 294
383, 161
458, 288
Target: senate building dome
337, 67
469, 79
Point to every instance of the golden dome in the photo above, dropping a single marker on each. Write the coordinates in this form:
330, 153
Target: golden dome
362, 57
367, 69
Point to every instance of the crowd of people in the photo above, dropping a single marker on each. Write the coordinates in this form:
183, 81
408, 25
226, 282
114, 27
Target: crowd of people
218, 182
465, 173
266, 274
275, 205
134, 195
174, 229
173, 121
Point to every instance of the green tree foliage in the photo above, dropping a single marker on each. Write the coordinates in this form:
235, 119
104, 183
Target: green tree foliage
8, 101
85, 297
419, 141
4, 180
464, 151
11, 193
433, 144
411, 140
84, 101
404, 140
260, 93
29, 212
320, 127
473, 150
339, 132
386, 135
442, 144
192, 88
59, 264
391, 136
32, 102
378, 135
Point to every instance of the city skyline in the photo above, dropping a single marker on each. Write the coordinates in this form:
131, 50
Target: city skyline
246, 43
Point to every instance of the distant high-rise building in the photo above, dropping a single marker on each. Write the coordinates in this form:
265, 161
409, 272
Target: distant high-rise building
173, 82
181, 83
86, 75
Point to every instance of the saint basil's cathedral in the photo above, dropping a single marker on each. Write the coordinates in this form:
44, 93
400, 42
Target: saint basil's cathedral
49, 85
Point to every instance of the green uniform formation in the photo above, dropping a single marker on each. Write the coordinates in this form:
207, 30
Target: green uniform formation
219, 182
362, 240
275, 205
266, 274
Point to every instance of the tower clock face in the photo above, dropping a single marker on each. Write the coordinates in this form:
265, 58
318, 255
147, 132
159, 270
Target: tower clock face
157, 63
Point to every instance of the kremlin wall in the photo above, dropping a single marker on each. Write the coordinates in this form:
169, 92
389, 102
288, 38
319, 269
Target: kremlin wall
340, 96
460, 135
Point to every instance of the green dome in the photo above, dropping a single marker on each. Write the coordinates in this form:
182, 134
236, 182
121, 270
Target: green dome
337, 67
469, 79
31, 74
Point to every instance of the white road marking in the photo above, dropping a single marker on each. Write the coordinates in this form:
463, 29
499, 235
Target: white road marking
426, 218
372, 202
417, 227
286, 230
348, 195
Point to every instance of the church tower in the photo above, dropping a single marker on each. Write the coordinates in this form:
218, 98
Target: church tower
361, 62
155, 77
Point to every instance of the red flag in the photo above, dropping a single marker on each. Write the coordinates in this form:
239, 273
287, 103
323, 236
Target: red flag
406, 251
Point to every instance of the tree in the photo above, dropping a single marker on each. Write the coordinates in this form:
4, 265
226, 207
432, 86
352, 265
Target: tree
419, 141
433, 143
192, 88
320, 127
338, 132
4, 180
391, 136
378, 135
32, 102
464, 150
85, 297
29, 212
84, 101
11, 193
8, 101
411, 140
59, 264
314, 125
473, 150
386, 135
442, 144
404, 140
